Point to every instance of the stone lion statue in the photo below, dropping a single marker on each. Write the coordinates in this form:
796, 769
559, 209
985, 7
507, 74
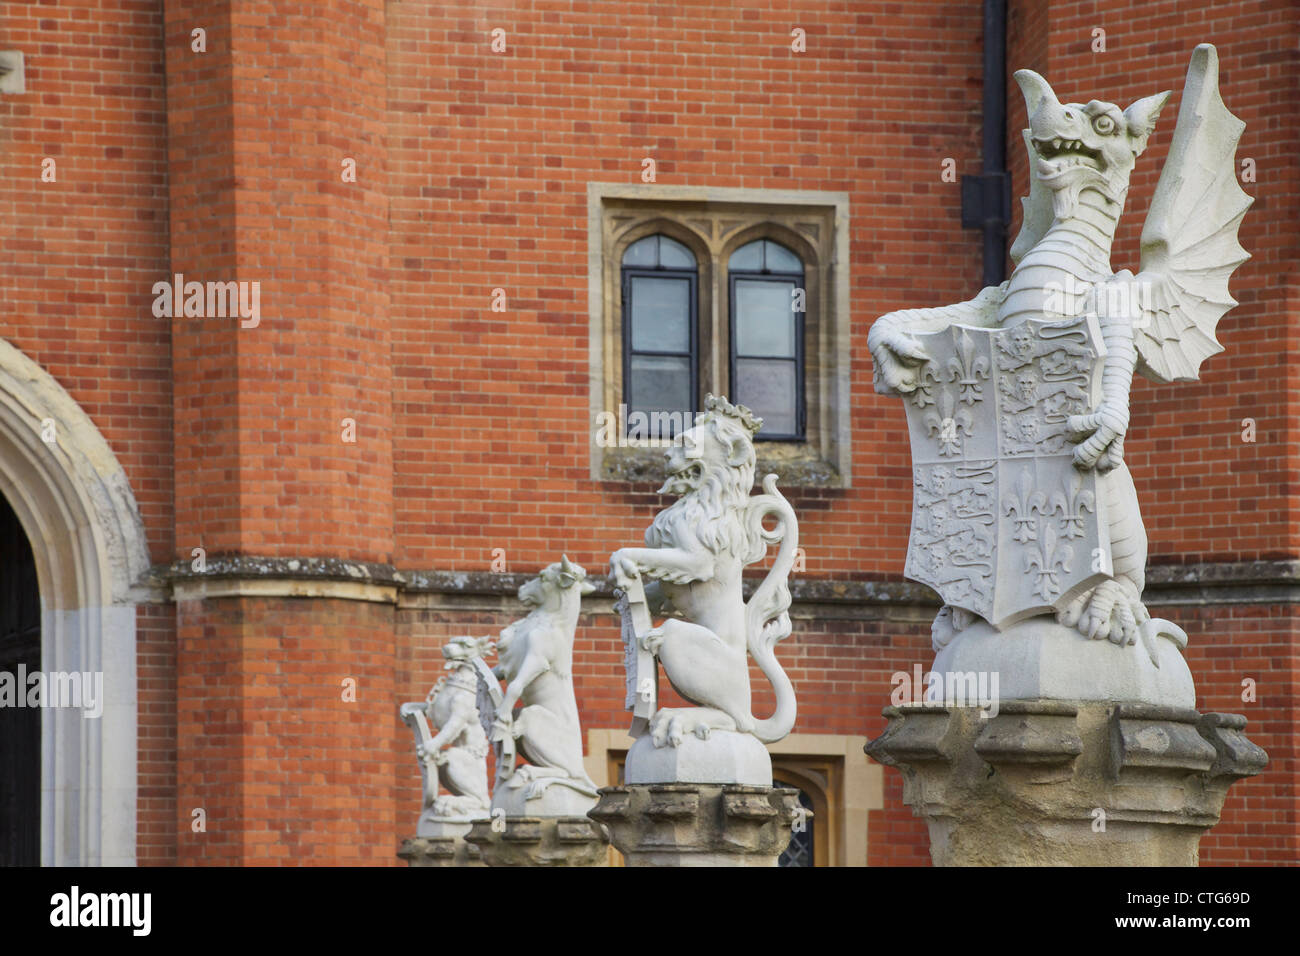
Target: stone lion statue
696, 550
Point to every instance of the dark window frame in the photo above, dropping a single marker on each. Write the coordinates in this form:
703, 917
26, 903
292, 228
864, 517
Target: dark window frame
769, 275
628, 273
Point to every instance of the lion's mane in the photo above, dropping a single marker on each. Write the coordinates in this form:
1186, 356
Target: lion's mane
714, 511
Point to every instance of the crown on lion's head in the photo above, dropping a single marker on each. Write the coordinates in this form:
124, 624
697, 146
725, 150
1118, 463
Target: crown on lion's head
711, 470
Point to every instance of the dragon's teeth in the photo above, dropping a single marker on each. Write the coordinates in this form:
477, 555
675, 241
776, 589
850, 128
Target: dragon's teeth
1056, 144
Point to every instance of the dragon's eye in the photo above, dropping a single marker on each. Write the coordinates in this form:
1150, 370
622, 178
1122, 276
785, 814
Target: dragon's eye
1104, 125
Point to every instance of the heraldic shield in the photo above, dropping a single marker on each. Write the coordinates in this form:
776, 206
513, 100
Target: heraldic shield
1003, 524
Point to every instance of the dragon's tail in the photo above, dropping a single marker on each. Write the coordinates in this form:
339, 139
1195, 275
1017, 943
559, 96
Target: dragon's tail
767, 614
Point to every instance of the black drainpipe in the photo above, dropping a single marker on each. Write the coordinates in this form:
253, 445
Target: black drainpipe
986, 198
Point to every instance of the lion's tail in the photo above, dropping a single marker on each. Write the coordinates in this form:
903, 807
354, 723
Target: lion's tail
767, 614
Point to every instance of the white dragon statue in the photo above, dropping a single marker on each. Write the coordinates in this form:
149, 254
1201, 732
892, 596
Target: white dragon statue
1160, 322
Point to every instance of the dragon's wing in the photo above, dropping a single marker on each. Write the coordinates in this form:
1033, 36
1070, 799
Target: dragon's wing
1189, 241
1037, 206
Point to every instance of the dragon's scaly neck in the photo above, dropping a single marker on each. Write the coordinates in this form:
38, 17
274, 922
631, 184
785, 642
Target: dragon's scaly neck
1073, 255
1087, 234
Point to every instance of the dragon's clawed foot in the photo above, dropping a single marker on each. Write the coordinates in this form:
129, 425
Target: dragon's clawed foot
1109, 611
898, 359
1101, 437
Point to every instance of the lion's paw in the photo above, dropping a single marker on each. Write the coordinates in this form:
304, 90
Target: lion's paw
652, 640
670, 726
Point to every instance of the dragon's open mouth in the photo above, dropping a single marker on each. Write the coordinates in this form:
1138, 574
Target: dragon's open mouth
1062, 154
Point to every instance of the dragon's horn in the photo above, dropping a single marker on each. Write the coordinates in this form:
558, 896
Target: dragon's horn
1035, 88
1141, 118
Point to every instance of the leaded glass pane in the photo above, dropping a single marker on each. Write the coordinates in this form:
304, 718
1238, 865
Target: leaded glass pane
768, 387
748, 258
660, 383
642, 254
661, 316
674, 255
765, 319
781, 259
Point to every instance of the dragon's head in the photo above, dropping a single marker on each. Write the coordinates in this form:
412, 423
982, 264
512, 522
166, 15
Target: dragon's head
1085, 146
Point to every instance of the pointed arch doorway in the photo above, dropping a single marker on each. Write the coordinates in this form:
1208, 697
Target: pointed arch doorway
20, 726
70, 498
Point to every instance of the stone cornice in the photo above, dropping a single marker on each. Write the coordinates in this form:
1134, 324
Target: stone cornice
1240, 582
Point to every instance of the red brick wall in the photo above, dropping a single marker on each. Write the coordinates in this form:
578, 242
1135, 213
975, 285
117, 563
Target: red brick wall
259, 128
472, 425
1261, 819
156, 812
286, 769
489, 159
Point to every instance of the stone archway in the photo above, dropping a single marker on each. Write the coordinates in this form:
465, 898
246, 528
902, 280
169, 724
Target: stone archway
72, 499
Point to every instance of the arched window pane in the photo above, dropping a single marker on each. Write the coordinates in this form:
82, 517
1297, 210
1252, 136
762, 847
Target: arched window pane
781, 259
765, 255
674, 255
658, 252
748, 258
643, 253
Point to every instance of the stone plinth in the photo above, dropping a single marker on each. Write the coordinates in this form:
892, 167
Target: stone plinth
684, 824
540, 841
1039, 659
521, 797
1052, 783
440, 851
724, 757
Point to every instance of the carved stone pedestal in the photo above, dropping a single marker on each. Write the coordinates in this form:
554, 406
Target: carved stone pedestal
440, 843
681, 824
1051, 783
447, 850
541, 841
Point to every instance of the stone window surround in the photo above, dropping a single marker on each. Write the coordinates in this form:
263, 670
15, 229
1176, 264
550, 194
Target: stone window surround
814, 224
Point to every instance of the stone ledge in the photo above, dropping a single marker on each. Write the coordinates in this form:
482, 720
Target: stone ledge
1214, 583
439, 851
797, 469
540, 841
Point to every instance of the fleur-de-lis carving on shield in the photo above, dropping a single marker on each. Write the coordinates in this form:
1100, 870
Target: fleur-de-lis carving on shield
1023, 505
947, 423
1070, 506
1047, 563
925, 382
966, 368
